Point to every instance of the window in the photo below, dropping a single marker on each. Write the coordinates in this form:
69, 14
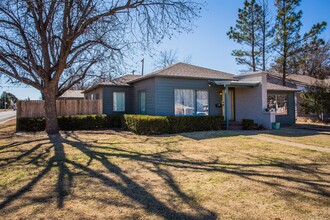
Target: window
142, 102
190, 102
277, 103
95, 96
202, 102
119, 101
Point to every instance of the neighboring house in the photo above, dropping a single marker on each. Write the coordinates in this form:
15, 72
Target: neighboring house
72, 95
184, 89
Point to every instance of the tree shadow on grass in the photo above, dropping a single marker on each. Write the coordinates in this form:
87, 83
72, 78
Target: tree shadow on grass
135, 191
130, 188
157, 163
317, 185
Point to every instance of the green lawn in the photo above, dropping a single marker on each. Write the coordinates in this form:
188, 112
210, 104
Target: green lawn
202, 175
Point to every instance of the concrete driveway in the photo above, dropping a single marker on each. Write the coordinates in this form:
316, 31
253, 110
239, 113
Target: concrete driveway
5, 115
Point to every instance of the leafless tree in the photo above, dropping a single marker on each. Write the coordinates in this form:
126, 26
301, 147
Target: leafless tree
53, 44
316, 59
167, 58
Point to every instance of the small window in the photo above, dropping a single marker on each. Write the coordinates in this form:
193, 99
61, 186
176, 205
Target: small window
119, 101
95, 96
277, 103
142, 102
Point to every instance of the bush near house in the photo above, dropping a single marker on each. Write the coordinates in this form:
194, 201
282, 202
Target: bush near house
195, 123
139, 124
144, 124
248, 124
69, 123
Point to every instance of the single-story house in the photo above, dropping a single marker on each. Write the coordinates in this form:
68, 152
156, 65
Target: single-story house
72, 95
184, 89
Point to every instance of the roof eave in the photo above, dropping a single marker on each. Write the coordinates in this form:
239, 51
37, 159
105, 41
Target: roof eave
104, 85
235, 83
178, 77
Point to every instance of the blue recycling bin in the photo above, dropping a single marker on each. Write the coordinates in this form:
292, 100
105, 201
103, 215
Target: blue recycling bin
276, 125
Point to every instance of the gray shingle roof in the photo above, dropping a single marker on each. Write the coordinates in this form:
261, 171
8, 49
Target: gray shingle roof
183, 70
276, 87
120, 81
298, 79
73, 94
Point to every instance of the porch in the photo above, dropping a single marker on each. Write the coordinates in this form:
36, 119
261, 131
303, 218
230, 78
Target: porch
245, 98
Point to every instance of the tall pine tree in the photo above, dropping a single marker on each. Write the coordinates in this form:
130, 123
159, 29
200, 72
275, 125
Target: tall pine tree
267, 33
288, 41
252, 30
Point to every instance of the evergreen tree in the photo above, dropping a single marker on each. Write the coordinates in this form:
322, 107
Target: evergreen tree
8, 98
288, 41
267, 32
252, 30
317, 100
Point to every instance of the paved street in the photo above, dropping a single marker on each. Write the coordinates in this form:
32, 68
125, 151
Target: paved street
7, 115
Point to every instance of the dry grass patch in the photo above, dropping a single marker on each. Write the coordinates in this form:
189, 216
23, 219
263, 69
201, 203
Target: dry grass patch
202, 175
302, 136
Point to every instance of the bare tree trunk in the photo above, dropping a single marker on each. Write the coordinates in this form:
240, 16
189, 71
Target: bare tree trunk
49, 95
264, 40
284, 71
253, 57
253, 45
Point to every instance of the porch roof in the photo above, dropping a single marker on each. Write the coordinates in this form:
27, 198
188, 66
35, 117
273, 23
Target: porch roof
235, 83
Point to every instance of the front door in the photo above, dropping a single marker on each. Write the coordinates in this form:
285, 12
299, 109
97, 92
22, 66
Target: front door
231, 114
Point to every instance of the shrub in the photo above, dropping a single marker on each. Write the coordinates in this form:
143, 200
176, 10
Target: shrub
69, 123
180, 124
30, 124
248, 124
144, 124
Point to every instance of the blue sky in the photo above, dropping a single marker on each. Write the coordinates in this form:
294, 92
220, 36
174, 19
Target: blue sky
208, 44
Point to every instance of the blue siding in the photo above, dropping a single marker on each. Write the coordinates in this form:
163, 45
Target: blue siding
290, 118
165, 94
148, 86
108, 99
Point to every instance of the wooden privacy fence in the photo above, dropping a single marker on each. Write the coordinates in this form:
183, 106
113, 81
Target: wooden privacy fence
36, 109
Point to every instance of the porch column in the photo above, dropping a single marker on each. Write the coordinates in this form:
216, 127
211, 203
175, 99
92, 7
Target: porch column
226, 107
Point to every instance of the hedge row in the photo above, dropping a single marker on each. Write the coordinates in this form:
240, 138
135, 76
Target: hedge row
139, 124
70, 123
145, 124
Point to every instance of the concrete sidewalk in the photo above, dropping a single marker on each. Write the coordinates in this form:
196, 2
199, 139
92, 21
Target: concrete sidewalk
7, 115
289, 143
